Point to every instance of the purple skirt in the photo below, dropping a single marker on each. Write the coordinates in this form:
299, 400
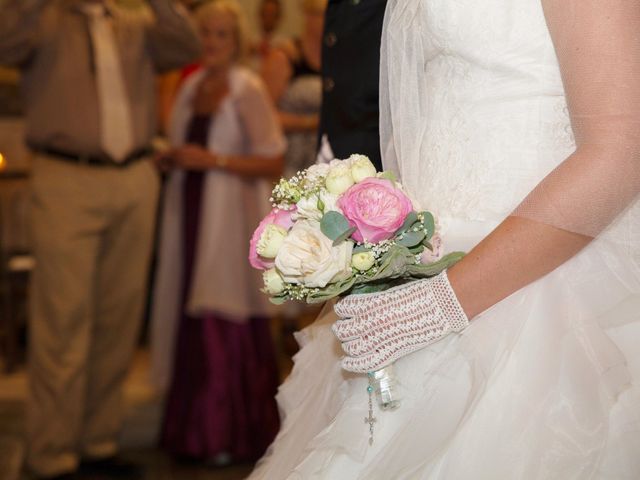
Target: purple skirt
222, 395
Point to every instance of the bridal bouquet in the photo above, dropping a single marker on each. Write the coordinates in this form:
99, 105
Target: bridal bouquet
343, 228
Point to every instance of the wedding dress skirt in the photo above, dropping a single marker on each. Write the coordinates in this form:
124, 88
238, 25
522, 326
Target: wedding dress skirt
546, 383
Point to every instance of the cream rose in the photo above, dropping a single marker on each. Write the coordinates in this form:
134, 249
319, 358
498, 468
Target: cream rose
361, 167
308, 257
339, 178
309, 207
271, 240
363, 261
337, 161
317, 171
273, 282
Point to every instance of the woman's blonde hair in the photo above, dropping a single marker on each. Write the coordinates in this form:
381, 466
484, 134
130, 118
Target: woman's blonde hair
214, 7
315, 6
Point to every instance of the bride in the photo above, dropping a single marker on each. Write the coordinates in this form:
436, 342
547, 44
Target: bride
518, 124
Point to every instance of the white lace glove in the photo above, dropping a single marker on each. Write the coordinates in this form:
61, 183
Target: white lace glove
378, 328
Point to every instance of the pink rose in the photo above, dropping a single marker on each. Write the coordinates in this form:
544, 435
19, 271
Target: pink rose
278, 217
376, 208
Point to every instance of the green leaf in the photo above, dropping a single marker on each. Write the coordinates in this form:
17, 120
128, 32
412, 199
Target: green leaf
393, 264
411, 239
417, 249
371, 288
344, 236
334, 224
379, 286
320, 205
331, 291
278, 300
409, 221
360, 249
429, 224
432, 269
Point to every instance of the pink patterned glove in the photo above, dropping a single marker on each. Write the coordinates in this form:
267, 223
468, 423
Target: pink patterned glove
378, 328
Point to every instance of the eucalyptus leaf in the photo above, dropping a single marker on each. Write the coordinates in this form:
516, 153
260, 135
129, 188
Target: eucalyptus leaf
411, 239
429, 224
334, 224
360, 249
409, 221
344, 236
417, 249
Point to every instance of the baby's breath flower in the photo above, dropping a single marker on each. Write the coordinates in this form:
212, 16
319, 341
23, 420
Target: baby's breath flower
298, 292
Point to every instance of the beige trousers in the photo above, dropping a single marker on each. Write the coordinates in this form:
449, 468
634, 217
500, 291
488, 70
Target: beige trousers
92, 230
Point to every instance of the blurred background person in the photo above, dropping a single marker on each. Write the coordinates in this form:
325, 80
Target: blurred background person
293, 77
207, 305
269, 36
88, 76
169, 82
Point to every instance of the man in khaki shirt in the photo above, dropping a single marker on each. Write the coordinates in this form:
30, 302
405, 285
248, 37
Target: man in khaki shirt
88, 72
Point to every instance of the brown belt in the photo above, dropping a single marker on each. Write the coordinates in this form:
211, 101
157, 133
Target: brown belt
94, 160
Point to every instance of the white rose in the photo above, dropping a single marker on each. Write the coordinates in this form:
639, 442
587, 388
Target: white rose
339, 179
330, 202
363, 261
308, 207
309, 258
271, 240
361, 167
273, 283
337, 161
315, 172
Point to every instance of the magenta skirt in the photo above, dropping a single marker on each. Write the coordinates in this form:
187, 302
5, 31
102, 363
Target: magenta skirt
222, 395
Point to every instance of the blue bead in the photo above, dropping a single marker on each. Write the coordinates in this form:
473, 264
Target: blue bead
369, 389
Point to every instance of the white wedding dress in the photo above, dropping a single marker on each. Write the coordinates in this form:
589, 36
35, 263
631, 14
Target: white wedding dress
543, 385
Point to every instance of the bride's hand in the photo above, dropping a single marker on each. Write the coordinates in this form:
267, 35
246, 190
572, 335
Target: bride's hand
378, 328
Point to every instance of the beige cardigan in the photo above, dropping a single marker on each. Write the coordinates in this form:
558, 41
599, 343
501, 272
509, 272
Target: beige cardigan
232, 207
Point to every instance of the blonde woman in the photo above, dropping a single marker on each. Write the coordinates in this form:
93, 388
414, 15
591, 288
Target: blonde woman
207, 305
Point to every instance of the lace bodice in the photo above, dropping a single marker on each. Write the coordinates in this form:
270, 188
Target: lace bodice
473, 112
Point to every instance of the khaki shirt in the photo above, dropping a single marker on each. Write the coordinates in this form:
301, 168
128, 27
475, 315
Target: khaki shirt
49, 40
